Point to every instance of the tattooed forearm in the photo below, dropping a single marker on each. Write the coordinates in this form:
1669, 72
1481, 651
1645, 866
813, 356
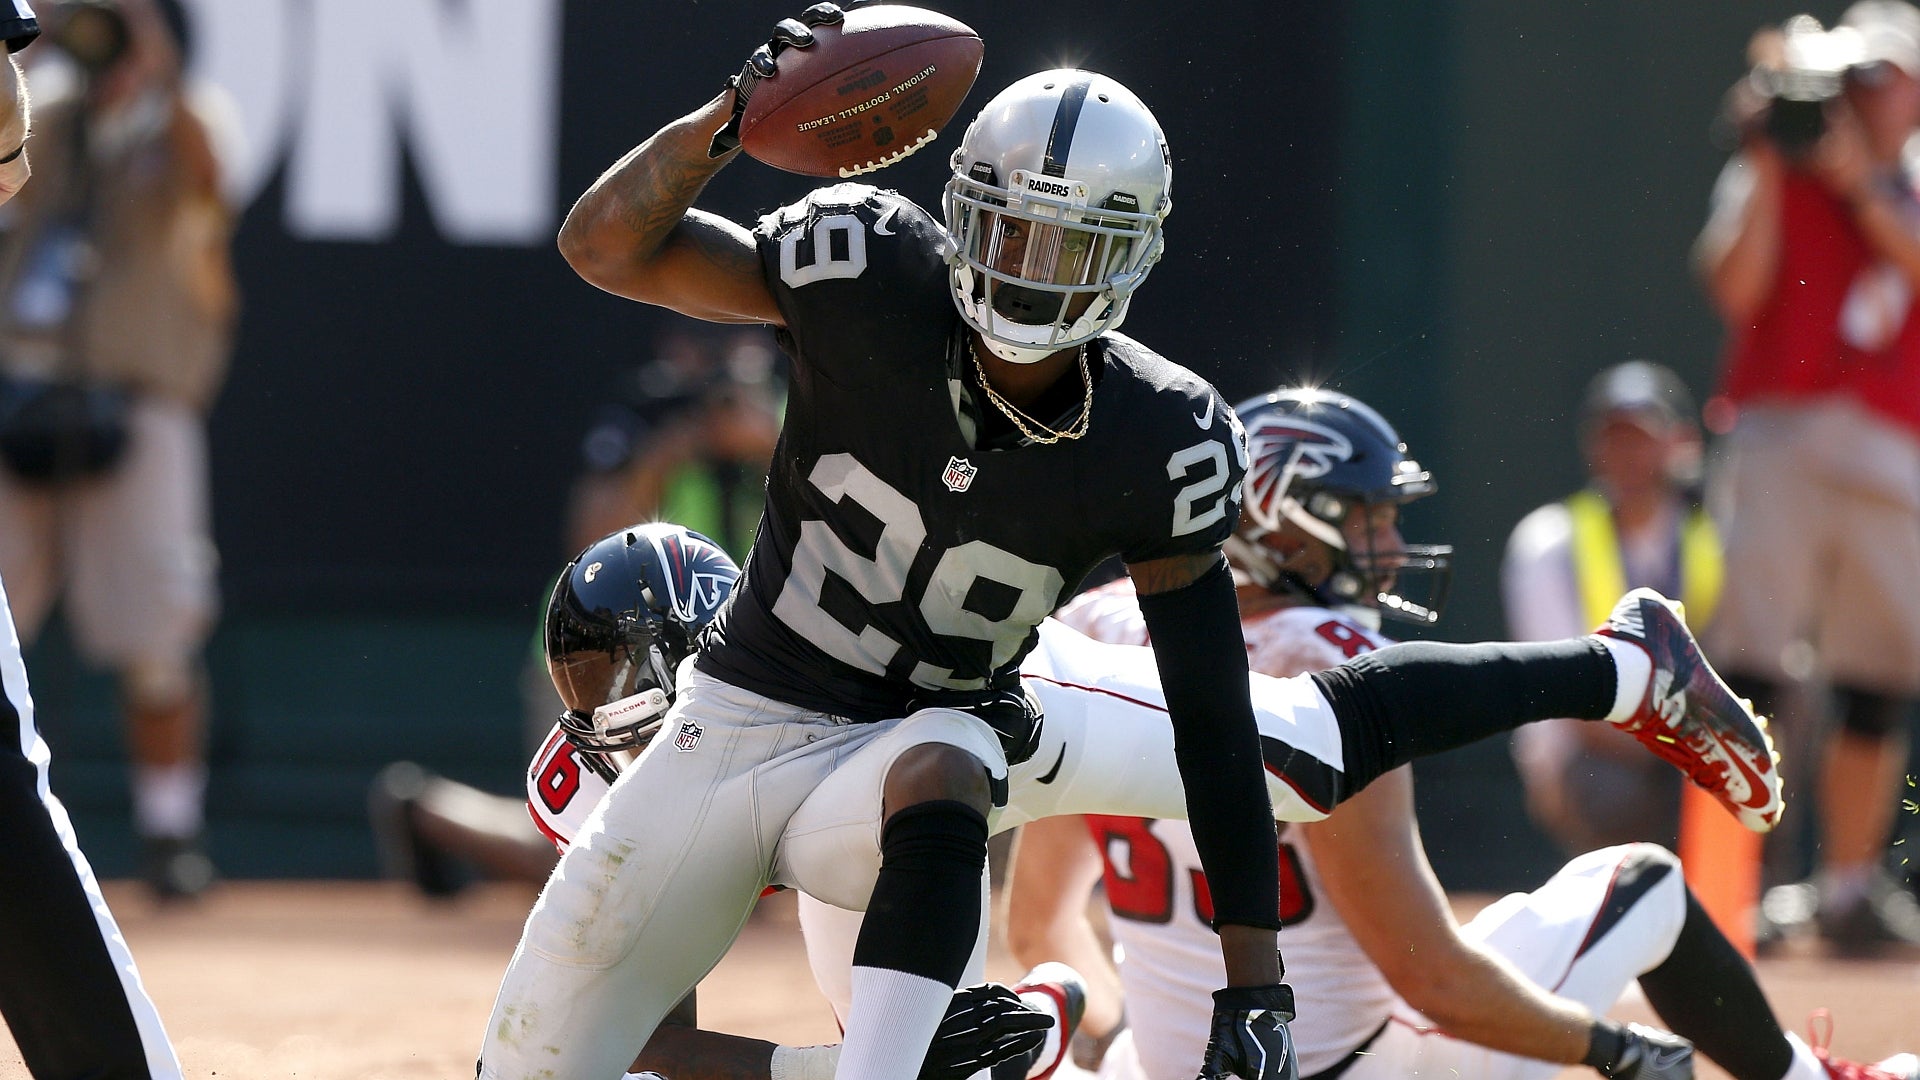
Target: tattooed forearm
1166, 575
651, 188
632, 208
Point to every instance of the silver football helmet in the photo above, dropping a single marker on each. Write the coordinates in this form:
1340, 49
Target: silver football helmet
1055, 206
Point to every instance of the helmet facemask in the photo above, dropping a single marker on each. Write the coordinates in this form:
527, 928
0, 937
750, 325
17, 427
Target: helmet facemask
1055, 205
616, 695
1408, 582
1038, 270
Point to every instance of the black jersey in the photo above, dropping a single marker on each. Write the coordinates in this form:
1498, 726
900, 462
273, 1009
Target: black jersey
894, 558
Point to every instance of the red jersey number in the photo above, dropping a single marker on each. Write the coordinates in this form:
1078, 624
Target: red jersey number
1349, 641
559, 777
1139, 875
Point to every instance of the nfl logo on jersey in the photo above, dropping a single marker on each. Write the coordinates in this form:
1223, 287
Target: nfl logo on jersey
959, 475
689, 736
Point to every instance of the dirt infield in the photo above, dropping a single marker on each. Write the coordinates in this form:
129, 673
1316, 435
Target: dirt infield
358, 981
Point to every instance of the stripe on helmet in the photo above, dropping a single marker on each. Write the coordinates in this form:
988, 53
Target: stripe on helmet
1065, 119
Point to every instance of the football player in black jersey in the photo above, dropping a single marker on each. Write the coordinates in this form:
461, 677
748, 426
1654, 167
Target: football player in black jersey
966, 438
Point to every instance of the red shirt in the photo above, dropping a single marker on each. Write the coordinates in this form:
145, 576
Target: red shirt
1794, 350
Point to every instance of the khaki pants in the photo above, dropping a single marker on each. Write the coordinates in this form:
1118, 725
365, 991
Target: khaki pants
1820, 508
133, 548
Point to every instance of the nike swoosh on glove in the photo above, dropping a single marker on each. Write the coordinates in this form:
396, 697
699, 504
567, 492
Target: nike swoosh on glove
1651, 1054
1250, 1037
984, 1026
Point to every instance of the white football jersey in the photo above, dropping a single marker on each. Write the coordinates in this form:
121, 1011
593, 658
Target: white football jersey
1162, 912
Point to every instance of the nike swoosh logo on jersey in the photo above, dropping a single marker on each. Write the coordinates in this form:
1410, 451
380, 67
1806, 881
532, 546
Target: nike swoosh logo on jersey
1205, 420
1054, 773
886, 218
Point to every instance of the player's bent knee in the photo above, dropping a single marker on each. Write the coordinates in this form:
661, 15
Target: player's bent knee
156, 683
936, 771
1643, 857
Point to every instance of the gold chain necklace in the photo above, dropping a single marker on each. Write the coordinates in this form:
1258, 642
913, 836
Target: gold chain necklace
1021, 420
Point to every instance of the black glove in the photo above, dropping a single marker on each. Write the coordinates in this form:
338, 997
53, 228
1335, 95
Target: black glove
984, 1026
1634, 1052
1250, 1037
1012, 712
787, 34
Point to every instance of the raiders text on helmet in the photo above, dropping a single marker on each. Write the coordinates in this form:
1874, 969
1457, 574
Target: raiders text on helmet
1315, 457
621, 619
1057, 197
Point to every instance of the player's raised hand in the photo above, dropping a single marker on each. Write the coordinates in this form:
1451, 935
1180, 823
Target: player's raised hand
1250, 1037
787, 34
984, 1026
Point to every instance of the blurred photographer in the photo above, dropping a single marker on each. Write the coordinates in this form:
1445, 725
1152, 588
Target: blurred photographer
1812, 257
117, 304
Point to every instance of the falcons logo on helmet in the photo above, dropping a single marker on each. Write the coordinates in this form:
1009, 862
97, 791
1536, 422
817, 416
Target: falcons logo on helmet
1283, 448
699, 576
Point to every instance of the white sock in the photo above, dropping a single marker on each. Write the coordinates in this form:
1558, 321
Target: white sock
1632, 676
168, 800
1805, 1066
891, 1023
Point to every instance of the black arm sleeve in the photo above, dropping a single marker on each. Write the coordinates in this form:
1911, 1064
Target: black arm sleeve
1203, 669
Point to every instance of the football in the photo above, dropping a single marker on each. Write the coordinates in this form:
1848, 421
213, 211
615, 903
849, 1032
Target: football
865, 94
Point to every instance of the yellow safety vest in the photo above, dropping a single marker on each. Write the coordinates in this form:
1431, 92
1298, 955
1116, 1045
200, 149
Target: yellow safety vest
1602, 579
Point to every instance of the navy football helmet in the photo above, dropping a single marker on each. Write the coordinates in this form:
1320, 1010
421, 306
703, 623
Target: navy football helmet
621, 619
1316, 457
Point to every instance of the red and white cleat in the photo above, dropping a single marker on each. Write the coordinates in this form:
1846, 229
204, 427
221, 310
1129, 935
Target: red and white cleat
1691, 719
1820, 1033
1059, 991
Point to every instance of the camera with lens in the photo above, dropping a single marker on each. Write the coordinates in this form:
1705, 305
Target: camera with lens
93, 32
1810, 70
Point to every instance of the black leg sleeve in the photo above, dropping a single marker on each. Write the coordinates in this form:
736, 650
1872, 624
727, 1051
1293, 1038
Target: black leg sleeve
925, 910
59, 989
1414, 700
1203, 668
1704, 990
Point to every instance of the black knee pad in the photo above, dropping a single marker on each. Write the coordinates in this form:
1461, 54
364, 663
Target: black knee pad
1870, 714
